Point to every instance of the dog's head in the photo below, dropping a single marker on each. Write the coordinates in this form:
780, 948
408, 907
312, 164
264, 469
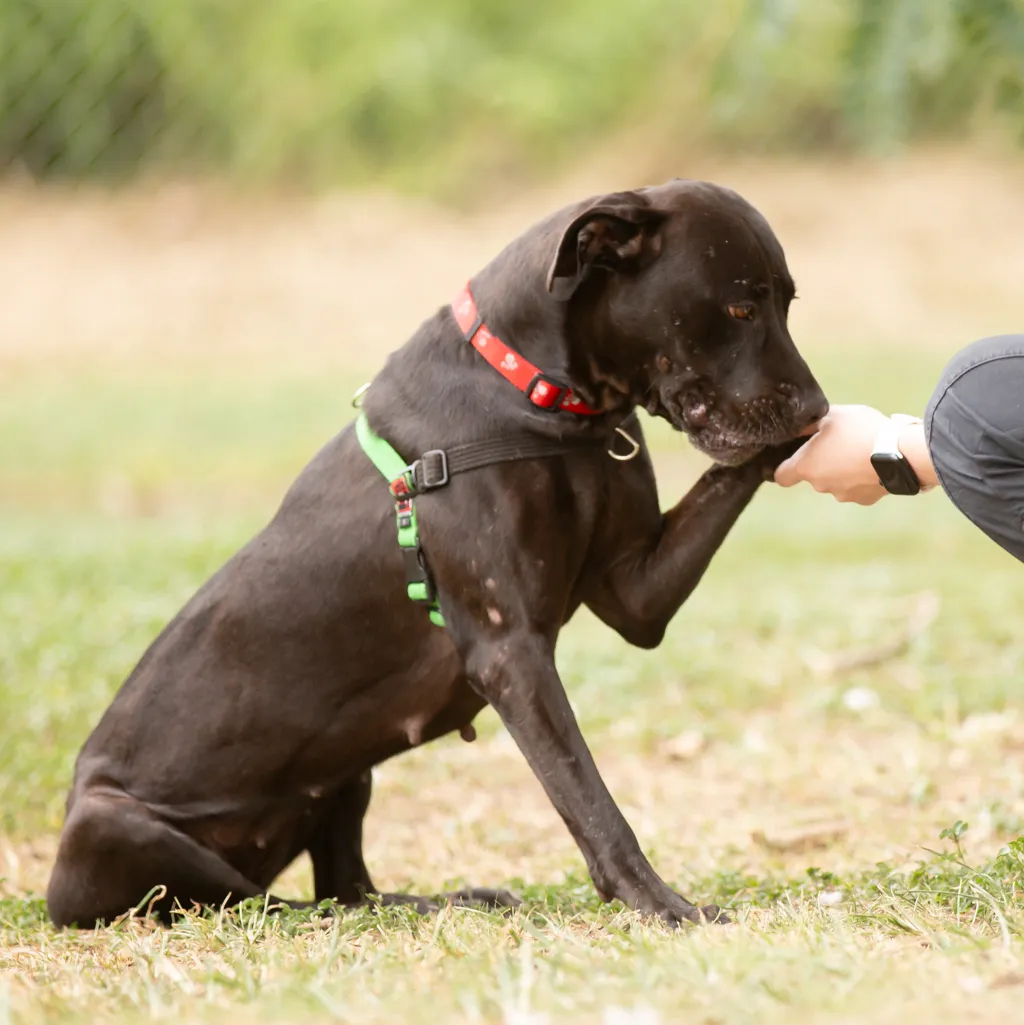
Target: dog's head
680, 296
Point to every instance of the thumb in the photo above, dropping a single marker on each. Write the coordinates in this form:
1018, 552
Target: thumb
788, 472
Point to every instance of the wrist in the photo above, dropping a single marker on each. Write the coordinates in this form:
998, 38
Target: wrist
900, 456
912, 445
894, 471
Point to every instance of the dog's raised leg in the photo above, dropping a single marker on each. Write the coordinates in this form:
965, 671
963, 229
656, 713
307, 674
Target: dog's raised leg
662, 558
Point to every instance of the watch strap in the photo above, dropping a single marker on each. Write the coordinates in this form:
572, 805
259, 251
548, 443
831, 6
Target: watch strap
887, 440
886, 454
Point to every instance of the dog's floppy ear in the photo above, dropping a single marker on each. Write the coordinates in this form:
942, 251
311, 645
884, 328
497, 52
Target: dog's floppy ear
617, 232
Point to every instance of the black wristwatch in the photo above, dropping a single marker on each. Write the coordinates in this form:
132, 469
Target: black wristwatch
895, 473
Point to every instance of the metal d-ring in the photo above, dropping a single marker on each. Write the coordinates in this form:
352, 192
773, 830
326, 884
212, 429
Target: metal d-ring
632, 452
357, 395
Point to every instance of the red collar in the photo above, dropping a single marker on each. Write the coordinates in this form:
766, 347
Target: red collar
543, 391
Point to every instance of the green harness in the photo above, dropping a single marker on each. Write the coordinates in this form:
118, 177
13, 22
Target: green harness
434, 469
401, 478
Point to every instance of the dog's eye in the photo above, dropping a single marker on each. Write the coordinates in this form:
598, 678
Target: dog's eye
741, 311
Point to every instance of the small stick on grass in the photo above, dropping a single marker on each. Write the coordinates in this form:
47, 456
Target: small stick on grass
922, 615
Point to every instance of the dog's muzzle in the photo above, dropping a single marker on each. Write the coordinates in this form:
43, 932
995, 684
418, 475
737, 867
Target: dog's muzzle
730, 433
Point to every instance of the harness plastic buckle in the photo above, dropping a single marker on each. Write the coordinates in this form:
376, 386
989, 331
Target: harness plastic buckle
418, 582
430, 470
403, 510
545, 392
403, 486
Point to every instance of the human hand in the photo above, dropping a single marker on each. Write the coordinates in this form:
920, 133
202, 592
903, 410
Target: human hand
837, 459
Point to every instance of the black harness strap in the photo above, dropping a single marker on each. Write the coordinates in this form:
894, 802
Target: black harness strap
435, 468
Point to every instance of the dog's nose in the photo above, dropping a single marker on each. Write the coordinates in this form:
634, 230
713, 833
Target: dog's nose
810, 408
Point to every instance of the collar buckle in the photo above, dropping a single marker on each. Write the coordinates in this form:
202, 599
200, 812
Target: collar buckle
546, 393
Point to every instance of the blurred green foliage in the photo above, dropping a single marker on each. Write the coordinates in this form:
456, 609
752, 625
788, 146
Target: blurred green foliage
318, 91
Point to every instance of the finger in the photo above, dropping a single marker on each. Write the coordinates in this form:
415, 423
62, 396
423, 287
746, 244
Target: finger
794, 469
812, 428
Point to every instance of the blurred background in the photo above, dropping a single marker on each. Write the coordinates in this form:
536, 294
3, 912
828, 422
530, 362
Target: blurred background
218, 216
457, 96
316, 175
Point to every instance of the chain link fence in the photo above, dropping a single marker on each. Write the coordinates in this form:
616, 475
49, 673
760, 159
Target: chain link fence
344, 90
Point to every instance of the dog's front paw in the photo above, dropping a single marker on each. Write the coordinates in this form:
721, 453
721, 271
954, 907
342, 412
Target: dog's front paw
676, 910
709, 914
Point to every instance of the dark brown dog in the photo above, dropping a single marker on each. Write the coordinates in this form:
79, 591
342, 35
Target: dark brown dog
248, 731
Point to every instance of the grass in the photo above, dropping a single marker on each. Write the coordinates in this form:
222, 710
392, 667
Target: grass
811, 803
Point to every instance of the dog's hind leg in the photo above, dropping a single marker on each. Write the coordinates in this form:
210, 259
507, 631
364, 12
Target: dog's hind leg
339, 871
114, 853
336, 846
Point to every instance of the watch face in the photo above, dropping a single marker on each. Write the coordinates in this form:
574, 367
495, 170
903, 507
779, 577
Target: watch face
895, 474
